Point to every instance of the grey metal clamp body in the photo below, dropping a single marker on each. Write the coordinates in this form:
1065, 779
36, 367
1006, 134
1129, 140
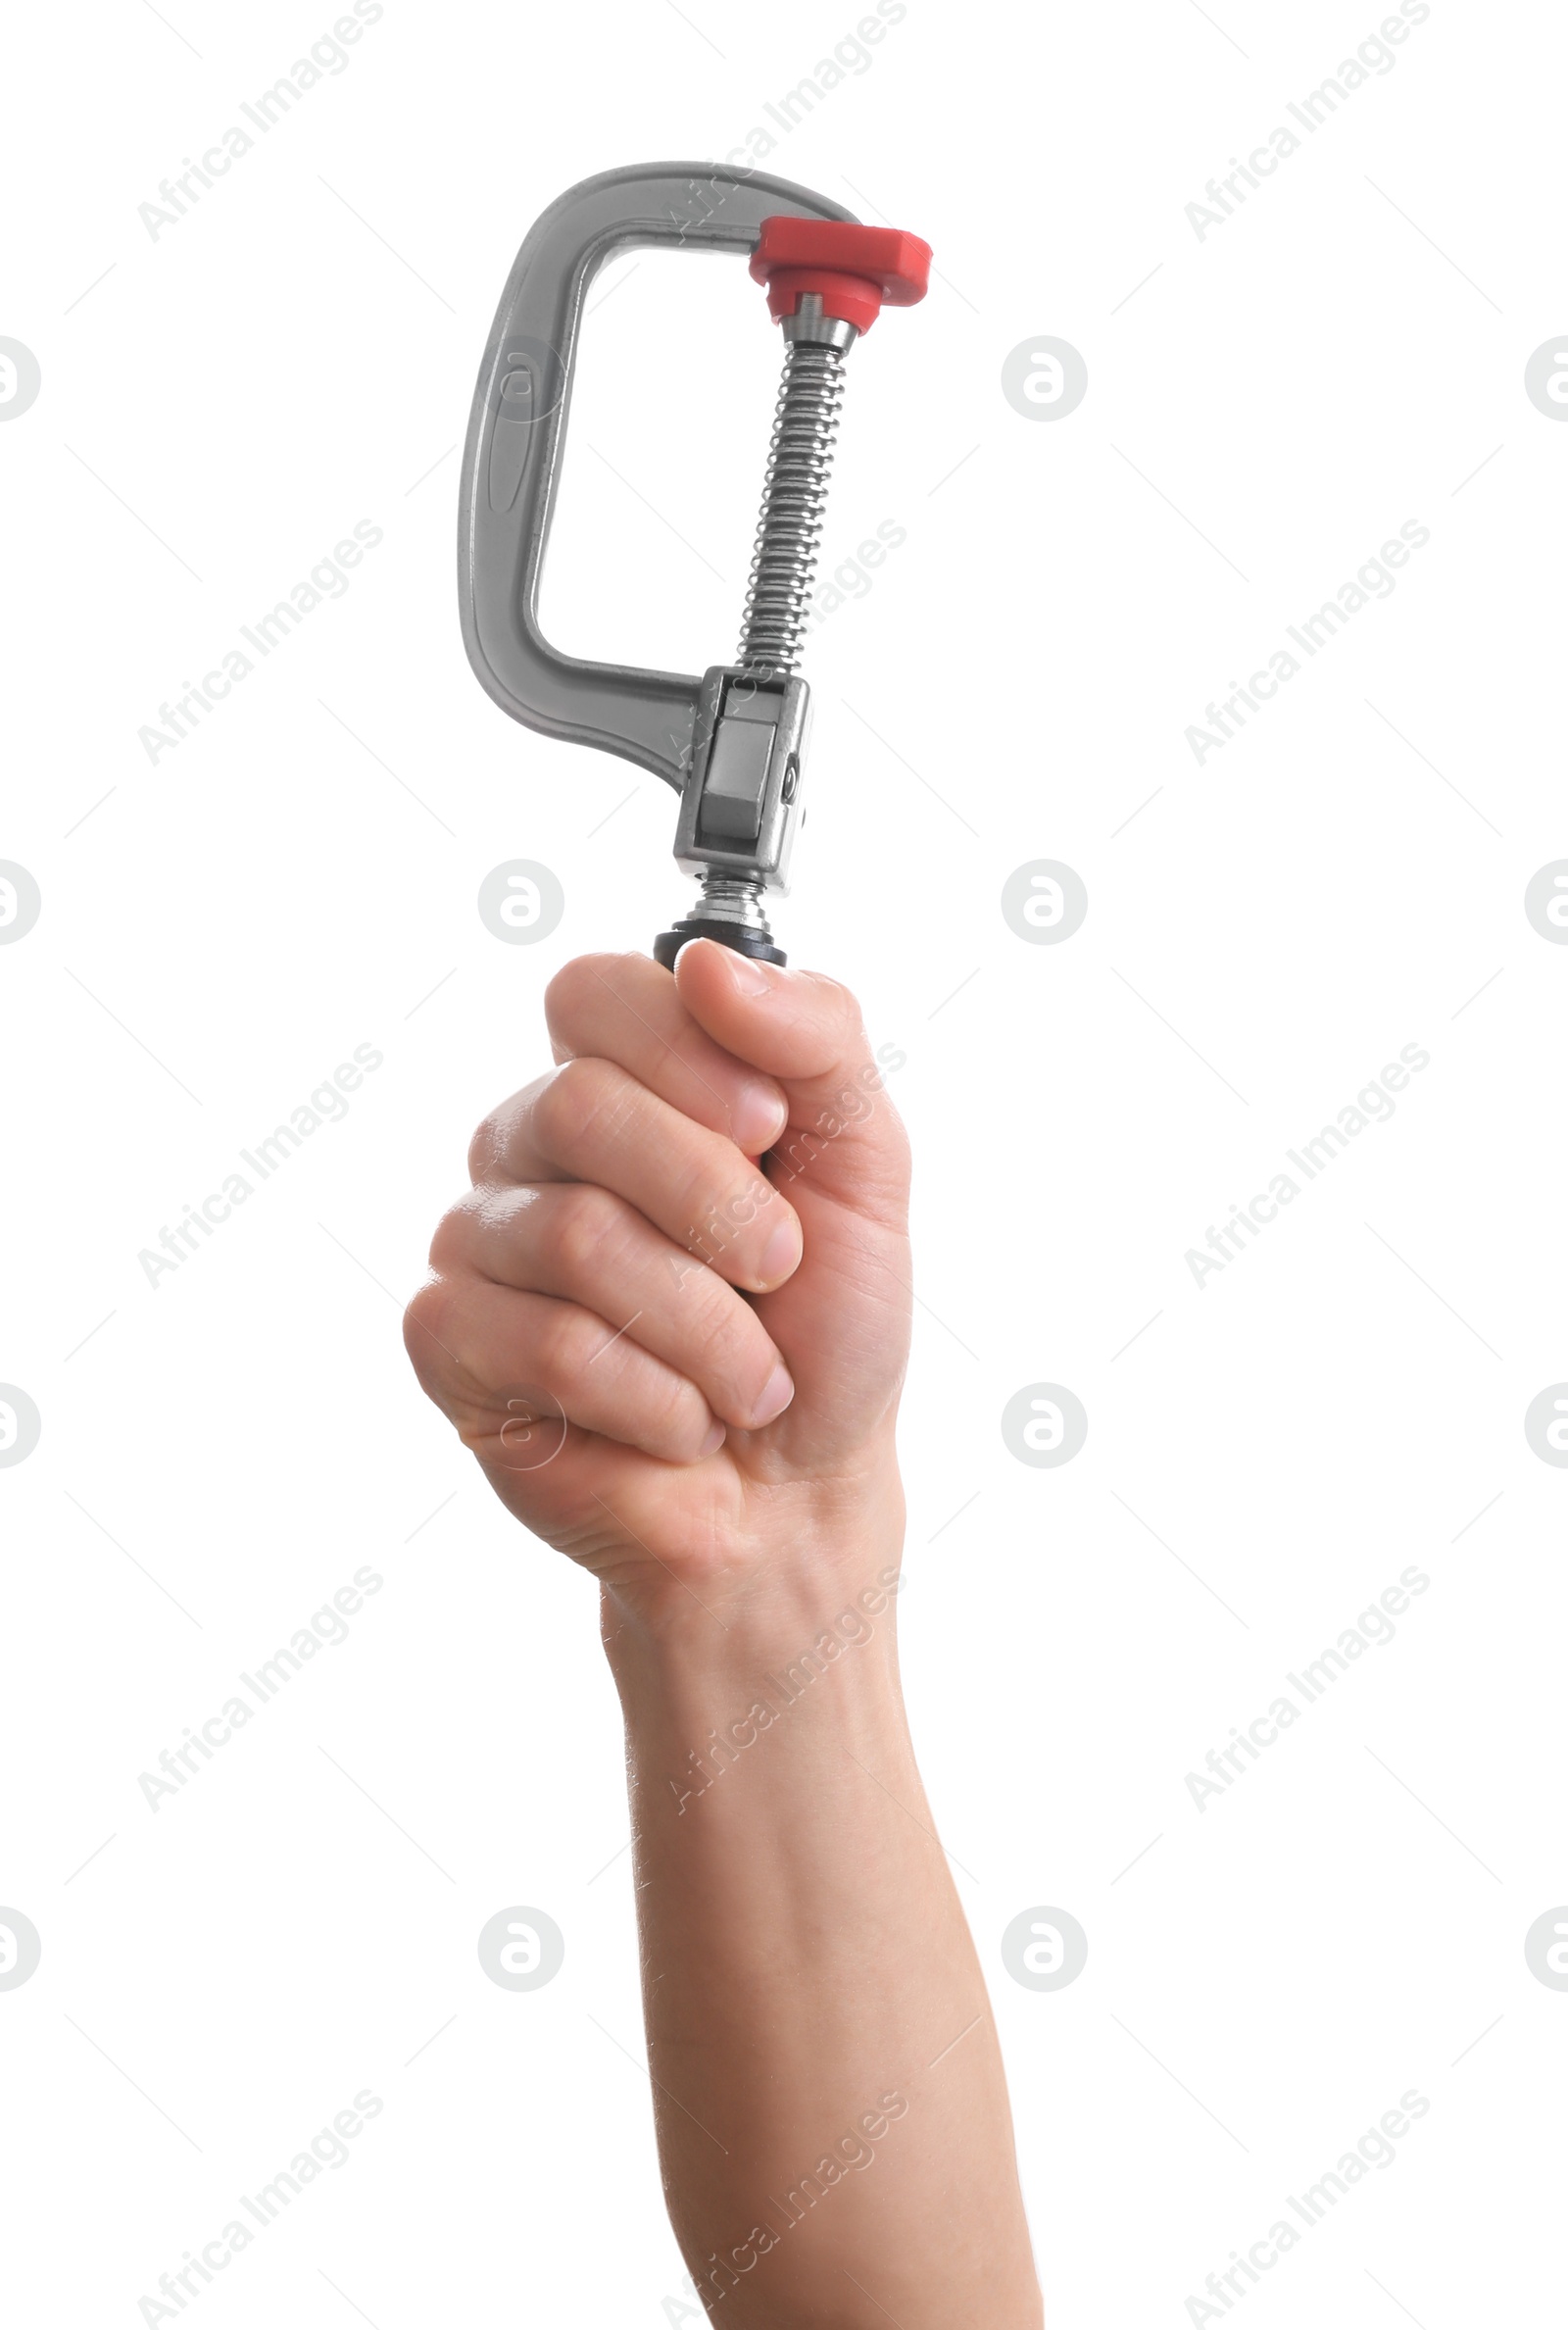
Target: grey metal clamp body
732, 742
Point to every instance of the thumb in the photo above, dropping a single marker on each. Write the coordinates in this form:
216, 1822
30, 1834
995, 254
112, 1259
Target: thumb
842, 1138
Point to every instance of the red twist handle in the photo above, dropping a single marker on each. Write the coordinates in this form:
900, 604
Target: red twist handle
855, 269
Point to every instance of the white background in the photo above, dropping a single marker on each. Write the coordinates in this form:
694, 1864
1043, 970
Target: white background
218, 930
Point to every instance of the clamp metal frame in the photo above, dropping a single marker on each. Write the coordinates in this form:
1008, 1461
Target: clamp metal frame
731, 742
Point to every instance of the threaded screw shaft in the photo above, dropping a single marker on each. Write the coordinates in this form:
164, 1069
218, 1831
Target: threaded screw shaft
789, 533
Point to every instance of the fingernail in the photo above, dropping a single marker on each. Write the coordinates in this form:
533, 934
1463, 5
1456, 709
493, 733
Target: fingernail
776, 1398
753, 977
757, 1118
714, 1440
781, 1252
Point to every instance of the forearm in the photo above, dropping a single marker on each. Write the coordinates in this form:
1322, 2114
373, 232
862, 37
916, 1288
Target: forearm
832, 2116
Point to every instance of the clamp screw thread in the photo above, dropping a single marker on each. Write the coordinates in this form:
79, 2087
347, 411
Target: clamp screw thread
789, 533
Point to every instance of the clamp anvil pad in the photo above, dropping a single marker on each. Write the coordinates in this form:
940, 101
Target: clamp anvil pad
733, 742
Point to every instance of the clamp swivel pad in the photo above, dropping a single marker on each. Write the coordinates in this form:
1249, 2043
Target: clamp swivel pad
755, 943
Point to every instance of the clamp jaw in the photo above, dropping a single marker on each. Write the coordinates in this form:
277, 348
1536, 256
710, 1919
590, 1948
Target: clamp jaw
732, 742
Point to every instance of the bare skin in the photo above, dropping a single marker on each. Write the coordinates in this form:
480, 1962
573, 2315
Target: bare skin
670, 1318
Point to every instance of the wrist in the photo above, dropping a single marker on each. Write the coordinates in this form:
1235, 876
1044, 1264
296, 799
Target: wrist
822, 1580
784, 1686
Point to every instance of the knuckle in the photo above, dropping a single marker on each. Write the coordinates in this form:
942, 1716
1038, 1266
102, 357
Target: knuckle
424, 1319
491, 1142
450, 1243
571, 987
576, 1094
485, 1147
585, 1229
565, 1345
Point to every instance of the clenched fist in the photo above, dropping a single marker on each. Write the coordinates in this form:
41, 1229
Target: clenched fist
670, 1318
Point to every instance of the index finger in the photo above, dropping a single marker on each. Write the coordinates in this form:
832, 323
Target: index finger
625, 1009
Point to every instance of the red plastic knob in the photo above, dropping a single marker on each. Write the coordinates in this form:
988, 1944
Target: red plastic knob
855, 270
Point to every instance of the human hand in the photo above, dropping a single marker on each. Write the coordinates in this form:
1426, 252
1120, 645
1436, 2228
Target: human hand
676, 1363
